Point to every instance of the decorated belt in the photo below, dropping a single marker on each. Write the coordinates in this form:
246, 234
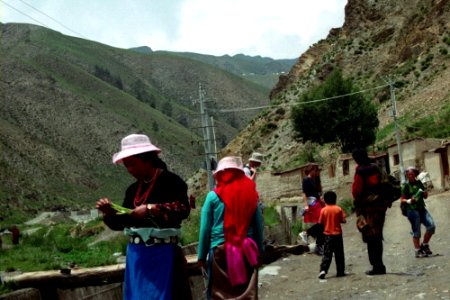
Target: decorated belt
137, 240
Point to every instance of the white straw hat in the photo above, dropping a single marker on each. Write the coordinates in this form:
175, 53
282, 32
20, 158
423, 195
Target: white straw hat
134, 144
229, 162
256, 157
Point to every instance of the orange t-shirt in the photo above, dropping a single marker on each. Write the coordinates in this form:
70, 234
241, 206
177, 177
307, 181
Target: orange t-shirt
331, 218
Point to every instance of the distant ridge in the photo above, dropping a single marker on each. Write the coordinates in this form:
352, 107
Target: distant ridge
264, 71
142, 49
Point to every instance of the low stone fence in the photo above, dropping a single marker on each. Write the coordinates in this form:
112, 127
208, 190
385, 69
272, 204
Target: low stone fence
106, 282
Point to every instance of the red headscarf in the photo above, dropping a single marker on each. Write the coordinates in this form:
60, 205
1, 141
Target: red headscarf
238, 193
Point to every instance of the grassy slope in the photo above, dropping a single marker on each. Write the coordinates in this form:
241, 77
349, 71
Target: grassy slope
60, 124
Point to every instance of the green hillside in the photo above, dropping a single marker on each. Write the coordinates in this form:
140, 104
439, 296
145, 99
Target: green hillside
67, 102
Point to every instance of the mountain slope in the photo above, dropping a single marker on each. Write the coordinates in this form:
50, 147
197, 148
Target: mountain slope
405, 41
67, 102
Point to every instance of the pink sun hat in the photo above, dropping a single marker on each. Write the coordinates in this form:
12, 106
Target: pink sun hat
134, 144
229, 162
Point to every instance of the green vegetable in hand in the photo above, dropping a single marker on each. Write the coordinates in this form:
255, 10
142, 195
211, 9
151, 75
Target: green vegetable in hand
120, 209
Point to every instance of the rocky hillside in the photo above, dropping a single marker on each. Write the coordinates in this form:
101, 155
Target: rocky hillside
405, 41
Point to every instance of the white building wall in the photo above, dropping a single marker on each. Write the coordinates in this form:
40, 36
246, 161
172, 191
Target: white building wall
433, 166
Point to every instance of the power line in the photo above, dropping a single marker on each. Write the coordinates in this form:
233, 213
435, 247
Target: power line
77, 33
50, 17
301, 103
24, 14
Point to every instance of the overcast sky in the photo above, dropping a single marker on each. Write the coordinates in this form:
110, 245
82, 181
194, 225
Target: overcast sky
270, 28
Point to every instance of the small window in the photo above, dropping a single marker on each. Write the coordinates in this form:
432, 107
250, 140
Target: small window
346, 167
396, 159
332, 171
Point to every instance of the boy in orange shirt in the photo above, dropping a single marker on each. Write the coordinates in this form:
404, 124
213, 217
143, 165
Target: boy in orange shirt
331, 218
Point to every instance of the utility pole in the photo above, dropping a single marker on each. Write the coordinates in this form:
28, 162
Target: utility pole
397, 132
210, 155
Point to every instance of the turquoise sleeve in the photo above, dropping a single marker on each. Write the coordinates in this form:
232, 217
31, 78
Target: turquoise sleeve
204, 240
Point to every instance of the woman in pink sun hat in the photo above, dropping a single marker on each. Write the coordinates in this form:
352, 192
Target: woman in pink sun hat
231, 234
156, 205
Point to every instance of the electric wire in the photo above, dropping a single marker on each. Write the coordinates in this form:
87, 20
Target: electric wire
48, 16
58, 22
7, 4
299, 103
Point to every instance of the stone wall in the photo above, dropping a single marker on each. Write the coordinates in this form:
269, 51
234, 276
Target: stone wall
286, 187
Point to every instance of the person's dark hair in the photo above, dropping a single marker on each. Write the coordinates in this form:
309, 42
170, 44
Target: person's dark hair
330, 197
310, 167
153, 158
361, 157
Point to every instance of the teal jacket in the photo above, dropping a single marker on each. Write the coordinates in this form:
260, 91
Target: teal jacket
211, 226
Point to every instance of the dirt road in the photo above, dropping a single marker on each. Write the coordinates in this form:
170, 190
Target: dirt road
408, 277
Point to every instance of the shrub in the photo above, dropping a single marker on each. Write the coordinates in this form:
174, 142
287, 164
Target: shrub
271, 216
296, 227
347, 205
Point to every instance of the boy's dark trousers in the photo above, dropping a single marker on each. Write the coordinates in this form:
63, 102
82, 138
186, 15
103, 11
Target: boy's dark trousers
316, 231
333, 244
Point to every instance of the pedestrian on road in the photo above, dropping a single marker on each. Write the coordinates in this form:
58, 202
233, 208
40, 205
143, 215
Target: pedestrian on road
253, 164
250, 170
331, 218
231, 234
312, 190
370, 206
155, 206
413, 195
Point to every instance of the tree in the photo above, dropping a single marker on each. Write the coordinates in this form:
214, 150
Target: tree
167, 109
349, 120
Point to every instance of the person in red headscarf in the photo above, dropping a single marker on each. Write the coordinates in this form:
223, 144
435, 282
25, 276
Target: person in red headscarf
231, 234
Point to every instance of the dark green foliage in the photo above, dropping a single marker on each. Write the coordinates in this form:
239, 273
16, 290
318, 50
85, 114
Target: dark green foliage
155, 126
427, 62
106, 76
347, 205
139, 90
167, 109
271, 216
268, 128
446, 40
349, 120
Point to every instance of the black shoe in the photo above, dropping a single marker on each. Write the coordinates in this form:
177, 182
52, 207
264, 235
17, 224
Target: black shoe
341, 274
322, 274
425, 249
376, 272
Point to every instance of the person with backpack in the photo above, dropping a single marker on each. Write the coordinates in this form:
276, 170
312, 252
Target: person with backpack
231, 234
412, 198
370, 204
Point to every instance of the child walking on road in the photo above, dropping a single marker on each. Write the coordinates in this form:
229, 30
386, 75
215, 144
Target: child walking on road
331, 218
